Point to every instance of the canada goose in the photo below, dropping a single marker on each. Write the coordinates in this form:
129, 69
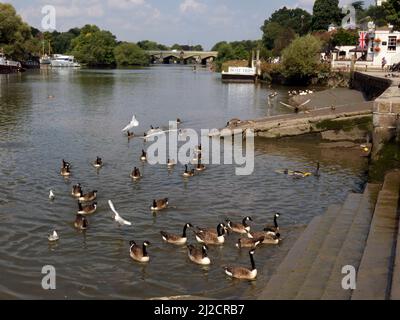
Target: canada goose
98, 163
65, 164
90, 196
51, 195
159, 205
210, 237
317, 174
53, 236
138, 253
243, 273
212, 230
268, 237
198, 148
76, 190
171, 163
241, 228
81, 222
65, 171
89, 209
199, 256
135, 175
130, 134
143, 157
200, 167
178, 121
249, 243
176, 239
275, 228
188, 173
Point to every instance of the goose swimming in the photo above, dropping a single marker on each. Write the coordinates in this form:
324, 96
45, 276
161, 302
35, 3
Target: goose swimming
210, 238
138, 253
198, 256
243, 273
241, 228
176, 239
159, 205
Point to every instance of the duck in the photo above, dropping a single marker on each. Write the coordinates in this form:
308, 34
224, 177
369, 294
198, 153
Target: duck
210, 238
274, 229
268, 237
98, 163
90, 196
89, 209
159, 205
53, 237
171, 163
241, 228
248, 242
138, 253
188, 173
176, 239
143, 157
76, 190
135, 175
243, 273
199, 256
81, 222
65, 171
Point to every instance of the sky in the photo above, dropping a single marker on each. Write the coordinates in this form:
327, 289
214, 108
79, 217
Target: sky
189, 22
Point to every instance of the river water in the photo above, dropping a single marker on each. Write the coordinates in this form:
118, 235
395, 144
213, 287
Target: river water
83, 118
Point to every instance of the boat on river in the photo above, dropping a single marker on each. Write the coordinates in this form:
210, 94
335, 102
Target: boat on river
64, 61
9, 66
239, 74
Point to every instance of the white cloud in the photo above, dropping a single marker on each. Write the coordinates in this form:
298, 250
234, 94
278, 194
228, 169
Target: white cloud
125, 4
192, 6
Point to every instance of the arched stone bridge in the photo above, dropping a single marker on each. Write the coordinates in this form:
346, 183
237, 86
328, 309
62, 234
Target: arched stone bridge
184, 56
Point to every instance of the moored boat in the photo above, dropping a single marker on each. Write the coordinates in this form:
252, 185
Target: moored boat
9, 66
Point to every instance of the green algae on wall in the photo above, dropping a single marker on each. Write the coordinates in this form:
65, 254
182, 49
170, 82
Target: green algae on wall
388, 159
362, 123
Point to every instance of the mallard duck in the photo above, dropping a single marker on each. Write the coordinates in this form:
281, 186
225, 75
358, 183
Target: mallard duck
159, 205
138, 253
241, 228
243, 273
176, 239
199, 256
210, 237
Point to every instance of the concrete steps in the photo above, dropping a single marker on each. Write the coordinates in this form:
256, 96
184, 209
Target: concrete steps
320, 271
312, 268
374, 277
353, 246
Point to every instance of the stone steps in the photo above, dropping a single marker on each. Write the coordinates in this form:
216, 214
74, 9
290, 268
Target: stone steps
353, 246
374, 277
284, 285
318, 275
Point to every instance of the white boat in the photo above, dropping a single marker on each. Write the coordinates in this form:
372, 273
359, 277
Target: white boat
9, 66
63, 61
239, 74
45, 59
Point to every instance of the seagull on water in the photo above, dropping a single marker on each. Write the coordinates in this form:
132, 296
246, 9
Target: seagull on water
134, 123
117, 217
51, 195
53, 236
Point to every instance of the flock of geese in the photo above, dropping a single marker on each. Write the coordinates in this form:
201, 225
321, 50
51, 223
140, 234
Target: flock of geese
206, 237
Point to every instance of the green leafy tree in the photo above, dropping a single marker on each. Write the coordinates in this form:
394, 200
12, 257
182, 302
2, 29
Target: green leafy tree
94, 46
14, 33
198, 47
392, 12
344, 37
151, 45
325, 12
284, 38
270, 33
176, 47
218, 45
301, 58
130, 54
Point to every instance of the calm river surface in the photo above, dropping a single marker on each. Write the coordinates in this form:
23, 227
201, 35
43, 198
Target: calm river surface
84, 119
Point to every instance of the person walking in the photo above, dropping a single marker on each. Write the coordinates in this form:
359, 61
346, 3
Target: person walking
384, 62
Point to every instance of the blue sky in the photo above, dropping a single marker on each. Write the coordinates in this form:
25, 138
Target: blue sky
166, 21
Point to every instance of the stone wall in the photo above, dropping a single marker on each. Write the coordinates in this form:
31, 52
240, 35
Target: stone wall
371, 86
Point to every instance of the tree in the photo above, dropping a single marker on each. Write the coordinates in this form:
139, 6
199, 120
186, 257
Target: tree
198, 47
344, 37
271, 32
152, 46
392, 13
301, 58
130, 54
284, 38
94, 46
176, 47
14, 33
325, 12
218, 45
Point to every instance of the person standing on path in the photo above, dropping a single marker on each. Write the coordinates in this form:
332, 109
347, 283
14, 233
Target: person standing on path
384, 62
